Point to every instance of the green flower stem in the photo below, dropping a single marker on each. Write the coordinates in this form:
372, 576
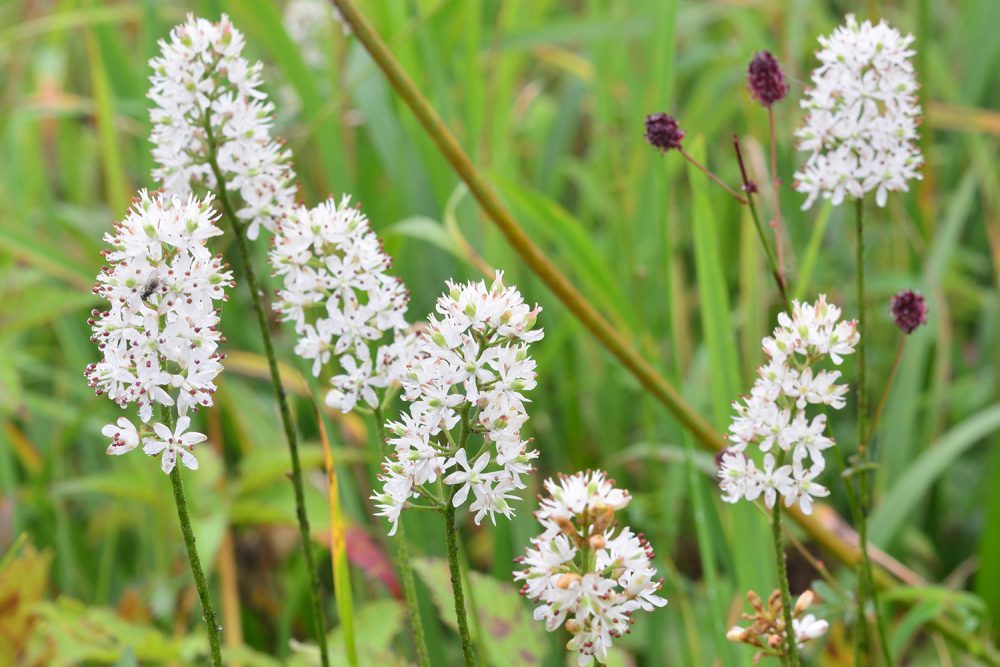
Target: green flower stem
866, 580
791, 643
239, 230
404, 565
455, 569
208, 611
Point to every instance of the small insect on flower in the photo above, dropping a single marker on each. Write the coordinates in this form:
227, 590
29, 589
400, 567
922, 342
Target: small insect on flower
149, 287
588, 574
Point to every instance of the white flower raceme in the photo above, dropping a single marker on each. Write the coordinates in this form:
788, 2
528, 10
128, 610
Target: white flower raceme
774, 418
465, 378
159, 336
341, 299
207, 102
587, 573
861, 116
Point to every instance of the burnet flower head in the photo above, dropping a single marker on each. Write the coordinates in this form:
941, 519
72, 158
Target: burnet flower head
861, 116
466, 378
773, 422
587, 573
343, 302
207, 102
159, 335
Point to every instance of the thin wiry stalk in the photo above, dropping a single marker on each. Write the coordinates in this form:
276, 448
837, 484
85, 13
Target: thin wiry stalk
208, 610
791, 643
404, 565
239, 230
866, 580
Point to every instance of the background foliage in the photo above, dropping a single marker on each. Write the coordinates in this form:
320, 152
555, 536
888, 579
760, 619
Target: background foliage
548, 97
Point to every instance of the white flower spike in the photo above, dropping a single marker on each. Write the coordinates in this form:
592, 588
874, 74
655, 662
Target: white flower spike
159, 336
207, 98
588, 574
470, 363
773, 417
861, 116
339, 295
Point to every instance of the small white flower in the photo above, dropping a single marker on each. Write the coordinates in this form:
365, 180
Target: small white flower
172, 445
124, 436
468, 477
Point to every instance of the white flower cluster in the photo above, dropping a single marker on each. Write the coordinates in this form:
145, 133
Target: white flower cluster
466, 375
341, 299
862, 115
159, 337
586, 572
773, 417
308, 23
207, 100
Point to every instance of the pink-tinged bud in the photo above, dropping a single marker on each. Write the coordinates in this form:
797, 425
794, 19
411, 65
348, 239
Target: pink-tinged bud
765, 79
662, 132
909, 310
597, 542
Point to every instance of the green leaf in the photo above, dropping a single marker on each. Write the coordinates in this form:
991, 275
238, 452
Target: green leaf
513, 637
903, 499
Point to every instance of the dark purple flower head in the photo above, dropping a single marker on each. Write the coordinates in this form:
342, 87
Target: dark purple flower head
909, 310
662, 132
765, 79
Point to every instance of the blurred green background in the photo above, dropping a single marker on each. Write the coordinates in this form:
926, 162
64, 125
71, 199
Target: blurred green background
548, 97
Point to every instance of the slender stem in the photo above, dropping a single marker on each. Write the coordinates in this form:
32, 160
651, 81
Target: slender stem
776, 184
455, 568
791, 643
537, 260
239, 229
208, 611
866, 579
718, 181
885, 396
404, 565
749, 188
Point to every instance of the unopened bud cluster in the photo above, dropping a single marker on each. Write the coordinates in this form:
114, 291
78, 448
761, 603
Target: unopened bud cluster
587, 573
767, 625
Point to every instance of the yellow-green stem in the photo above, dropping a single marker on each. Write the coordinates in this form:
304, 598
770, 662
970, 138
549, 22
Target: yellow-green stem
866, 580
791, 643
404, 565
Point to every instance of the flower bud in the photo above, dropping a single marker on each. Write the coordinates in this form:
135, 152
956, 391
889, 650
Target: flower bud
662, 132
